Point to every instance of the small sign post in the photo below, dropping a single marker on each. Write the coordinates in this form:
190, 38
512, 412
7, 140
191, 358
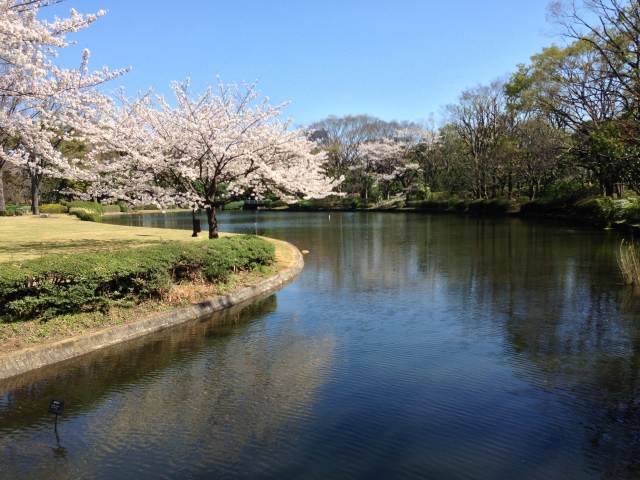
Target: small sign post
56, 407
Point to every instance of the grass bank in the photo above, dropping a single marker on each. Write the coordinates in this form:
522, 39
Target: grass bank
61, 277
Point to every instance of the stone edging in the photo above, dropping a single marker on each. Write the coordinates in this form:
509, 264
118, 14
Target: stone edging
32, 358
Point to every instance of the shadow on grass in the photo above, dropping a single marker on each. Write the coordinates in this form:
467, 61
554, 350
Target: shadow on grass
25, 250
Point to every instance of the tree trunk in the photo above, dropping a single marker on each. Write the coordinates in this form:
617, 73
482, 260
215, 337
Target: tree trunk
35, 195
608, 188
3, 206
213, 222
197, 228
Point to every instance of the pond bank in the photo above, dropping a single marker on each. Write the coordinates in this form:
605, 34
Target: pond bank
595, 212
289, 264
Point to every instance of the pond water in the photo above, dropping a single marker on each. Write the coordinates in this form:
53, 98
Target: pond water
411, 346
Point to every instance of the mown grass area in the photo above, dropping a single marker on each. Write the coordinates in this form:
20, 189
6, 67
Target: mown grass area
61, 277
27, 237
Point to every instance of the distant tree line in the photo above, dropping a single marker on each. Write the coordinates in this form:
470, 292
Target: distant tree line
567, 119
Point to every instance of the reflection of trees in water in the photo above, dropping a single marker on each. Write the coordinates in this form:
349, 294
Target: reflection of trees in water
552, 293
208, 384
571, 328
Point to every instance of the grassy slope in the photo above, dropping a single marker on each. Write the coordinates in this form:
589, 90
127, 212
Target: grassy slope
22, 238
30, 237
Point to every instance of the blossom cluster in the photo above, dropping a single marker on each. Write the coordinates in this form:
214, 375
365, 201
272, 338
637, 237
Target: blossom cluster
198, 151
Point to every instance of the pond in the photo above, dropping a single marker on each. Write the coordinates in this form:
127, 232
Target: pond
411, 346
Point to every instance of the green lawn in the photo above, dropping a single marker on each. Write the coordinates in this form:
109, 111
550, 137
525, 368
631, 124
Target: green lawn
27, 237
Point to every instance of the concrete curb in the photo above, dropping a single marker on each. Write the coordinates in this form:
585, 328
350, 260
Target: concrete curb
32, 358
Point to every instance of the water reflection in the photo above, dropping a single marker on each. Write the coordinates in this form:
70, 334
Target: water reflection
411, 346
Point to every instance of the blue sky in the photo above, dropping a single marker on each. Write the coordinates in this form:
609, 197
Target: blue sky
395, 59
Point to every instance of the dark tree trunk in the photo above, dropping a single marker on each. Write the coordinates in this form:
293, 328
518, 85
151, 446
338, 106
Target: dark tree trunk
197, 228
213, 222
3, 206
35, 194
608, 188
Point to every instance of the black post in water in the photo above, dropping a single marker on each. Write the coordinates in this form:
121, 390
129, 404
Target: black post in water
56, 407
196, 223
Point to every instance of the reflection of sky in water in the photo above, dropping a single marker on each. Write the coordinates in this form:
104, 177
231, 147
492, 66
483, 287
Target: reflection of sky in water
411, 345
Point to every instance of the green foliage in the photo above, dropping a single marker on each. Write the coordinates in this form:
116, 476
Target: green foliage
150, 206
123, 206
92, 206
86, 214
16, 210
53, 208
111, 208
238, 205
602, 211
276, 203
84, 282
494, 206
631, 211
84, 210
332, 202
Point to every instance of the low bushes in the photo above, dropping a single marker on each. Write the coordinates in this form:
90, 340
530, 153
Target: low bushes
442, 203
53, 208
83, 282
495, 206
16, 210
87, 211
150, 206
111, 208
237, 205
85, 214
87, 205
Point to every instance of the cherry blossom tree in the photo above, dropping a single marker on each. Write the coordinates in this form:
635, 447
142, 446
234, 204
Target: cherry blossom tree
42, 105
384, 160
226, 142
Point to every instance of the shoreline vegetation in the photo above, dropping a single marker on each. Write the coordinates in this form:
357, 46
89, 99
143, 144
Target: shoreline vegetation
593, 211
80, 277
629, 263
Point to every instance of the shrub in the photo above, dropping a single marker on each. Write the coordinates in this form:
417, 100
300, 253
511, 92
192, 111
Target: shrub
16, 210
567, 192
86, 214
494, 206
277, 204
123, 206
111, 208
53, 208
91, 206
631, 211
146, 207
84, 282
601, 210
238, 205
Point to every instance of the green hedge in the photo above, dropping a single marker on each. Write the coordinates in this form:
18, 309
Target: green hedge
87, 205
16, 210
237, 205
86, 214
149, 206
83, 282
53, 208
111, 208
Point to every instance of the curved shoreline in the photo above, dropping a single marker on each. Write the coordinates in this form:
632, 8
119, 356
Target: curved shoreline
32, 358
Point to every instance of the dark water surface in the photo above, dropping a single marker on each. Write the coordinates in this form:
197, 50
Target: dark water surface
411, 346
